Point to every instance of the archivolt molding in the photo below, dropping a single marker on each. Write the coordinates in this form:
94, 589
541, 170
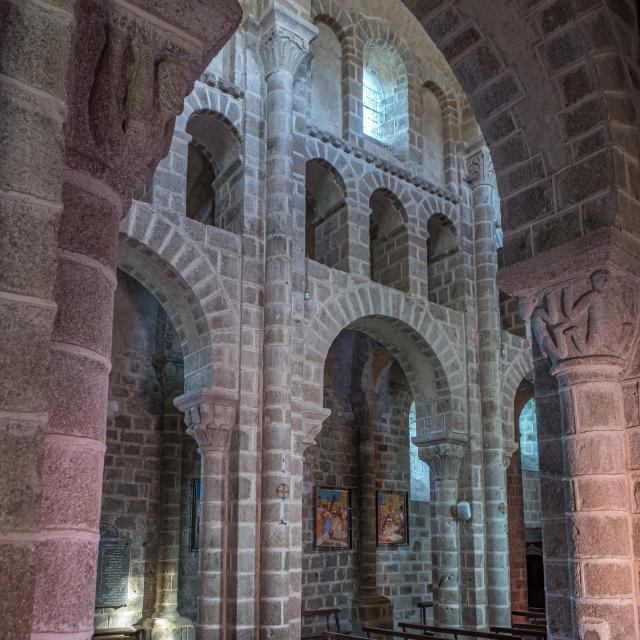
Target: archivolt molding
517, 365
427, 340
183, 274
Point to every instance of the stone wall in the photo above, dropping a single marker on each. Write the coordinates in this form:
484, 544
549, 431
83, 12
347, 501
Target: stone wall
131, 489
188, 574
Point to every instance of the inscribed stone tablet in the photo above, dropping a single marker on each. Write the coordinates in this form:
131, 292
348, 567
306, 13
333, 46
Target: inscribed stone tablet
114, 554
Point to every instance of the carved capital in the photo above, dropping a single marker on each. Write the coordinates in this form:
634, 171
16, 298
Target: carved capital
128, 83
210, 416
444, 458
480, 169
587, 317
367, 409
284, 41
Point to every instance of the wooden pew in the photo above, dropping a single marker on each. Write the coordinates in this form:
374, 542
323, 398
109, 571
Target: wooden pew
392, 633
530, 632
327, 614
123, 633
456, 632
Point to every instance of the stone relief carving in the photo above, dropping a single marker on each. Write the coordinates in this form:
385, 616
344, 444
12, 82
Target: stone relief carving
574, 321
480, 168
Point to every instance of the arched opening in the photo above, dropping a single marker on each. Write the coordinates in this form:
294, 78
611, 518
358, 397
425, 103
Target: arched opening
214, 173
326, 80
150, 471
385, 105
433, 136
523, 480
326, 215
442, 260
381, 546
388, 241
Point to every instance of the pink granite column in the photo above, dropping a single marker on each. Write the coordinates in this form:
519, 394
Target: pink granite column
211, 419
123, 92
586, 325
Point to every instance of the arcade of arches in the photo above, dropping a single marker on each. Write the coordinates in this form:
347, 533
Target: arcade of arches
317, 304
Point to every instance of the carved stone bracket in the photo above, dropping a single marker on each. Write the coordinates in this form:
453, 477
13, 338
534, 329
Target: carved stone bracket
585, 317
308, 420
210, 416
510, 447
284, 41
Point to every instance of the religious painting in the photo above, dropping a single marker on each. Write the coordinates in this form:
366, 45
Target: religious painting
392, 517
332, 518
195, 515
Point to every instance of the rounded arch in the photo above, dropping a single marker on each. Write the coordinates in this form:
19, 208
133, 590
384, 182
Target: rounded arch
156, 252
427, 347
442, 240
556, 170
518, 369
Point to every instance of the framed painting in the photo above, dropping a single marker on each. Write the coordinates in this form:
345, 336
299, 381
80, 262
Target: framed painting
195, 514
392, 517
332, 518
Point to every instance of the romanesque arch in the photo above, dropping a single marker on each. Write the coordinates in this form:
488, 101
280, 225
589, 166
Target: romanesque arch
182, 274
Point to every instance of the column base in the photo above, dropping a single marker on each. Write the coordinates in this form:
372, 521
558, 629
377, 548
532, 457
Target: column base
178, 628
373, 611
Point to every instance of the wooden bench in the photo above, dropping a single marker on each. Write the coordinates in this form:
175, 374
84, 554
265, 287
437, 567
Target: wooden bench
456, 632
530, 632
327, 614
115, 633
391, 633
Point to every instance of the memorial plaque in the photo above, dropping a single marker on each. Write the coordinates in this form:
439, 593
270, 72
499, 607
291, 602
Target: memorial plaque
114, 556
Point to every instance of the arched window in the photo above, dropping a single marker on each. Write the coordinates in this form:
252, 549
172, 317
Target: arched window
419, 469
214, 173
385, 109
432, 136
326, 81
529, 437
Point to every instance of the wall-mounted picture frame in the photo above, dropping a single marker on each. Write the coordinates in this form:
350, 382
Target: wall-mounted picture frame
332, 518
195, 515
392, 518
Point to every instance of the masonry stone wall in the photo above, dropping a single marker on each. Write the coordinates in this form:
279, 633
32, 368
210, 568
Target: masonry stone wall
131, 487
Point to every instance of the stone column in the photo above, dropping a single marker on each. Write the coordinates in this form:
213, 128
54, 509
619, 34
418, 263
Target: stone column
482, 179
369, 606
586, 324
307, 421
210, 416
128, 75
444, 457
284, 44
166, 622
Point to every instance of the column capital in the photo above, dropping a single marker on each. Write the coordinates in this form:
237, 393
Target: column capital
130, 84
284, 39
310, 418
367, 408
480, 169
443, 454
589, 318
210, 416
